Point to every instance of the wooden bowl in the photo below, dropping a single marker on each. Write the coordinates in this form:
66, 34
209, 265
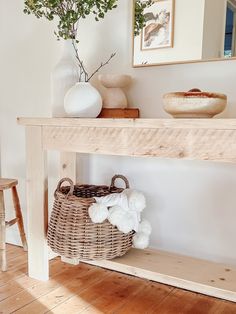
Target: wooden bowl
194, 104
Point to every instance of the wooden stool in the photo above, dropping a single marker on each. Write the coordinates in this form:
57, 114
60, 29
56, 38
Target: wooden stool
4, 185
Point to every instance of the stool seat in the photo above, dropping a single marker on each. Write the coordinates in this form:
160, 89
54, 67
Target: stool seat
7, 183
4, 185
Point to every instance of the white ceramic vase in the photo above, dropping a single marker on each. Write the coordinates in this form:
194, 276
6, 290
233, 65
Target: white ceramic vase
63, 77
83, 101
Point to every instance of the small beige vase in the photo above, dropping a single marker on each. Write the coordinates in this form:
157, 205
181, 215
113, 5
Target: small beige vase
114, 96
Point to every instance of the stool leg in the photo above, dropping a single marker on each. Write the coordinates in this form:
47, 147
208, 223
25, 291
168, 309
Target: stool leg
19, 216
2, 234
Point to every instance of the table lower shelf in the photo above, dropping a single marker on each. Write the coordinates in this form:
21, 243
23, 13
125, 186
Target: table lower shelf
213, 279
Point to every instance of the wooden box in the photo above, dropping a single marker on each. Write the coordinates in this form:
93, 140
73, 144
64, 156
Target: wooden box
131, 113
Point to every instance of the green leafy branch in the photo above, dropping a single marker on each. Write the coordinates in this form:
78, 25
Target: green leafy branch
139, 18
69, 13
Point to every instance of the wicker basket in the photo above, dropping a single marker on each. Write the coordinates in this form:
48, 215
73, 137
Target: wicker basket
71, 233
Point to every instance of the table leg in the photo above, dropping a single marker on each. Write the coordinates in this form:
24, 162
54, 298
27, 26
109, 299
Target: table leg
3, 261
37, 204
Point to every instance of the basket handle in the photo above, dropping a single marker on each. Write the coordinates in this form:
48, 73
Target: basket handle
119, 176
59, 186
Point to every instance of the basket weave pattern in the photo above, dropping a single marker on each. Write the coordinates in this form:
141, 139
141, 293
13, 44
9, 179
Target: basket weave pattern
71, 233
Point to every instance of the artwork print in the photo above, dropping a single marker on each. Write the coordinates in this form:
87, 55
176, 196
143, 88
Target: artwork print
158, 31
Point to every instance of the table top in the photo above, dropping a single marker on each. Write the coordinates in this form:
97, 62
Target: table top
220, 124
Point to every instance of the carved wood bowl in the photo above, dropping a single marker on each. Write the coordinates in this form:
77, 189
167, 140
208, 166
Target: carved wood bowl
194, 104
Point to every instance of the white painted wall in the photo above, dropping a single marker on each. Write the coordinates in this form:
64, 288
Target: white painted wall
214, 29
191, 205
27, 52
188, 34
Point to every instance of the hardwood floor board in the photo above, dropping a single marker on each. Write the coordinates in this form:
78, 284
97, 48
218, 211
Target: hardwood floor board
147, 298
72, 305
113, 283
88, 289
224, 307
93, 310
82, 276
185, 302
110, 299
27, 296
202, 304
12, 248
15, 262
175, 303
13, 251
13, 273
20, 283
10, 256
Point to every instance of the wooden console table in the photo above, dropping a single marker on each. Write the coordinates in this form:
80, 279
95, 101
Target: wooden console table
213, 139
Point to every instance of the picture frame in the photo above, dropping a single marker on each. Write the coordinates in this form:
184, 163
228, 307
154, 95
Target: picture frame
159, 29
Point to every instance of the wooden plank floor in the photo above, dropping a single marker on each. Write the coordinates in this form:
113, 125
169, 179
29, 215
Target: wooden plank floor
90, 289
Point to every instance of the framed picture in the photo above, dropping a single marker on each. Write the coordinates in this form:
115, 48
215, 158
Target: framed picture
158, 31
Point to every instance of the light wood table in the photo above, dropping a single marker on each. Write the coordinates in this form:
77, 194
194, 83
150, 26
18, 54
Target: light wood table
213, 139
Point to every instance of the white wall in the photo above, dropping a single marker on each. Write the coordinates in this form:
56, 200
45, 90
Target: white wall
190, 204
214, 29
27, 49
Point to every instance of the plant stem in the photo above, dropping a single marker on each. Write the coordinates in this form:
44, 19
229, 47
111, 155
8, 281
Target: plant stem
101, 65
81, 65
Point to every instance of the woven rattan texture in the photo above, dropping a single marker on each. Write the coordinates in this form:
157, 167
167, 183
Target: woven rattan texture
71, 232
